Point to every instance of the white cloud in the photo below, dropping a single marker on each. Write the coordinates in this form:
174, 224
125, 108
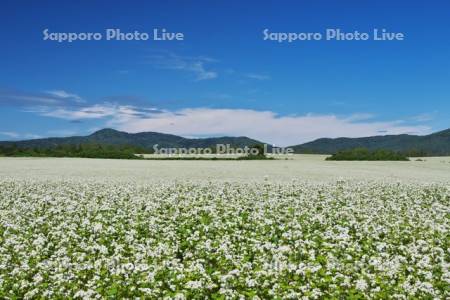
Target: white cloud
65, 95
96, 111
195, 65
31, 136
62, 132
359, 117
123, 72
423, 117
266, 126
17, 136
257, 76
10, 134
49, 98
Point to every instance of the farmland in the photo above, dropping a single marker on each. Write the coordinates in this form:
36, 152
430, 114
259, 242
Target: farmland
298, 228
297, 167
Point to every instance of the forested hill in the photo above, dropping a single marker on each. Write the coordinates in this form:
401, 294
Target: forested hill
435, 144
144, 140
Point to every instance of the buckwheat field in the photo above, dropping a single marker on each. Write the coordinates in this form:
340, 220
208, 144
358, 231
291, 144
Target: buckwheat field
283, 229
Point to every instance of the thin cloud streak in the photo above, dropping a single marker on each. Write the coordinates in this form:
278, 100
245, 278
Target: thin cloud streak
96, 111
193, 65
17, 98
18, 136
257, 76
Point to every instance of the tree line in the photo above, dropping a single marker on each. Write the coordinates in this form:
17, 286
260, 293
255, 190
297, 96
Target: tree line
365, 154
68, 150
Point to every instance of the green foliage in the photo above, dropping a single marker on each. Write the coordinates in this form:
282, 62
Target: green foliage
365, 154
259, 149
415, 153
189, 158
256, 152
254, 157
82, 150
92, 150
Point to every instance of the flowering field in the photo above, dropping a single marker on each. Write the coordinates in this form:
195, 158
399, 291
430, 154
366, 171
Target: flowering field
75, 239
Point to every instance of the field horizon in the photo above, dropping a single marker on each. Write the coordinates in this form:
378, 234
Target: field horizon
433, 144
304, 167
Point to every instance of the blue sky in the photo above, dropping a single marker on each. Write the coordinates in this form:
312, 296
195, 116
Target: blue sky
223, 78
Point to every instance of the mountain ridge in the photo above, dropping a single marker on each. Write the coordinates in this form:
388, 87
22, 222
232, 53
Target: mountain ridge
437, 143
145, 140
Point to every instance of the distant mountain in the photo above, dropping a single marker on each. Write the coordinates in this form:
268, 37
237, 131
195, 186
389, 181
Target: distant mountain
142, 139
433, 144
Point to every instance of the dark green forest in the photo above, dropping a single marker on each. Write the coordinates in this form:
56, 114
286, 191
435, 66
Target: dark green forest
108, 151
82, 150
365, 154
